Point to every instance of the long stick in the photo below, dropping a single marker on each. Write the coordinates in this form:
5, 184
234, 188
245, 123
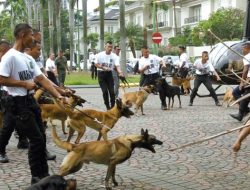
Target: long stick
240, 99
210, 137
239, 77
242, 56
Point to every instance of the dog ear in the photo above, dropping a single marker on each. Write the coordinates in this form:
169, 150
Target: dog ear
146, 133
142, 131
119, 103
128, 104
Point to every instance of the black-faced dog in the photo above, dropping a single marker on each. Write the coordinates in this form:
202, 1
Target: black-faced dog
54, 182
166, 90
108, 152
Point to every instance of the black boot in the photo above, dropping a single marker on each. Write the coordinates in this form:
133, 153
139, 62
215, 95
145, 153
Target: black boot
50, 156
3, 158
238, 116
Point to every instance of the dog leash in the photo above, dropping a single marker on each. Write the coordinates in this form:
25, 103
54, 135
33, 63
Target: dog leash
94, 119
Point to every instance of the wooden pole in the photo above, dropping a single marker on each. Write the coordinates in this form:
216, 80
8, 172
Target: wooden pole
209, 137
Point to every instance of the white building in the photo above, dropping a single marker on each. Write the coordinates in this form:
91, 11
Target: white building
193, 11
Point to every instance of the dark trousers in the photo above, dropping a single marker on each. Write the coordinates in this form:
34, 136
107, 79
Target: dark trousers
150, 79
93, 71
243, 109
61, 77
237, 92
24, 114
205, 79
183, 72
106, 82
52, 77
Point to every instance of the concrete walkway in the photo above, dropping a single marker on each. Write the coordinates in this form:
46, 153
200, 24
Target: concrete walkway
206, 166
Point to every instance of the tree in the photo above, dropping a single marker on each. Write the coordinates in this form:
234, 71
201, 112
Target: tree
134, 35
102, 13
71, 29
226, 23
58, 23
85, 34
92, 39
122, 36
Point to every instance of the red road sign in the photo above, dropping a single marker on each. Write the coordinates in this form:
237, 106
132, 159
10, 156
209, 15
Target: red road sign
156, 37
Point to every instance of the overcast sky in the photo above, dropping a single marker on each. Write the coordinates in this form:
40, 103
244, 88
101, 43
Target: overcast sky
92, 4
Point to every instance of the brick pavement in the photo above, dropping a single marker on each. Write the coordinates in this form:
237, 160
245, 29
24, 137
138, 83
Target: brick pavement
210, 165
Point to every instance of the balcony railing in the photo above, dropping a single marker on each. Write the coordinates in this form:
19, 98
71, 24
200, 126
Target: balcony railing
160, 24
192, 19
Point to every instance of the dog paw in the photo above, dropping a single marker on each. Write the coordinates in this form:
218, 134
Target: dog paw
236, 147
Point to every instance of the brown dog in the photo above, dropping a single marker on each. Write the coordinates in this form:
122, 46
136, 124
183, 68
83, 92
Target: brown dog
52, 111
228, 97
109, 152
137, 98
98, 120
243, 134
184, 82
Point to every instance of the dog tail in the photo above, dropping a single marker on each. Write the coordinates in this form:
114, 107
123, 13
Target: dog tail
62, 144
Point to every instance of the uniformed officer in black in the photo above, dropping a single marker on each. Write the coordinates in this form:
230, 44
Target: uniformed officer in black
17, 74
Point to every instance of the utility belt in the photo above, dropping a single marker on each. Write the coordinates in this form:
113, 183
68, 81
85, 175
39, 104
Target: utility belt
15, 103
19, 99
101, 71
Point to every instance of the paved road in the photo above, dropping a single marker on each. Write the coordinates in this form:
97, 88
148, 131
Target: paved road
210, 165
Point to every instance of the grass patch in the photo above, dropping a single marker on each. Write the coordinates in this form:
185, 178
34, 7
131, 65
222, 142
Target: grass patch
84, 78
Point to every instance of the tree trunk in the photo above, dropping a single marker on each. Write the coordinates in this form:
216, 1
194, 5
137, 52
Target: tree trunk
122, 37
51, 26
41, 8
58, 24
85, 34
102, 14
71, 29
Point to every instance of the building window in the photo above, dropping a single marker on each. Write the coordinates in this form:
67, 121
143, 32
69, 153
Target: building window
194, 14
110, 29
96, 30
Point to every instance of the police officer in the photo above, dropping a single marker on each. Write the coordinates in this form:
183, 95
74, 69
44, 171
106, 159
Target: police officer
106, 61
61, 67
149, 66
92, 59
243, 108
17, 74
203, 69
115, 73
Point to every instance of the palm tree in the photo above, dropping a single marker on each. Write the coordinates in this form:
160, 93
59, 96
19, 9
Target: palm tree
58, 23
102, 14
51, 25
85, 34
71, 29
122, 36
17, 11
133, 33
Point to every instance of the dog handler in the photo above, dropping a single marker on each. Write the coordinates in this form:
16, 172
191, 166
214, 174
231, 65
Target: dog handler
203, 68
17, 74
149, 65
106, 61
243, 108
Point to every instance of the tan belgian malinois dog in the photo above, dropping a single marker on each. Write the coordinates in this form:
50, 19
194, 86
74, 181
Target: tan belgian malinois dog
138, 97
101, 121
109, 152
52, 111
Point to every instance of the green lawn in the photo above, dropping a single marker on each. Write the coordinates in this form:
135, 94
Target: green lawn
84, 78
